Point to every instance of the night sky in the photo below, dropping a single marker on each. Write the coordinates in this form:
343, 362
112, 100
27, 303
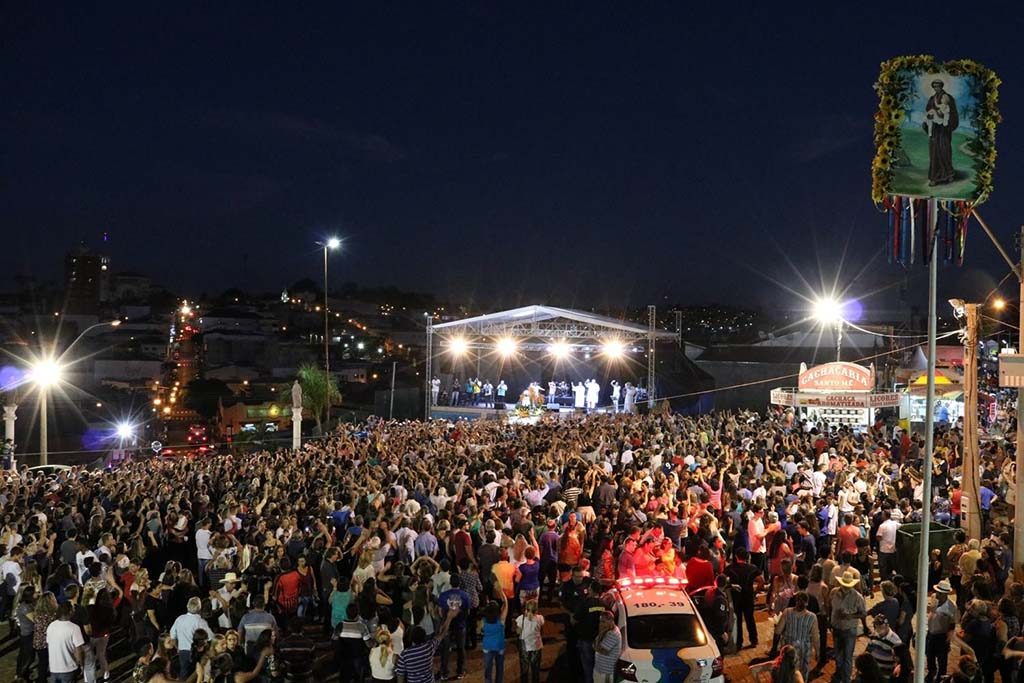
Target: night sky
503, 153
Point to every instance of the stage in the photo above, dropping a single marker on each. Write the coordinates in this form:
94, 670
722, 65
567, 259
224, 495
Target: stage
502, 411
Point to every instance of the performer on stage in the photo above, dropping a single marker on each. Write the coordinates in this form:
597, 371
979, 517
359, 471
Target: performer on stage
488, 394
456, 385
552, 387
501, 390
616, 389
630, 405
435, 389
578, 393
593, 394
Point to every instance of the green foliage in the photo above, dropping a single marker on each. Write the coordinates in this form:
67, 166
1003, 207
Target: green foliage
319, 392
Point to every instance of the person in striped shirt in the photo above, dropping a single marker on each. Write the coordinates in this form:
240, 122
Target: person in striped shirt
883, 645
416, 663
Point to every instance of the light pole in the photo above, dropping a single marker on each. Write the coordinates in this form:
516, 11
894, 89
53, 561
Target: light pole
329, 245
46, 373
828, 311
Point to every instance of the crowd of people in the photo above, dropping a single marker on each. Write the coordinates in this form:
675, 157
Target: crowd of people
387, 550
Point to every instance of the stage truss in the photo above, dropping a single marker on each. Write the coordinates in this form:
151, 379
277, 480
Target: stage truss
578, 329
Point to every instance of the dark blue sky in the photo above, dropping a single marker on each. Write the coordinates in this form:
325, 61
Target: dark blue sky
503, 151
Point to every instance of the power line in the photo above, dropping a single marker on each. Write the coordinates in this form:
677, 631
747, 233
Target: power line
797, 374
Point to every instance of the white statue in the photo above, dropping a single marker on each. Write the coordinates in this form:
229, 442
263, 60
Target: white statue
296, 397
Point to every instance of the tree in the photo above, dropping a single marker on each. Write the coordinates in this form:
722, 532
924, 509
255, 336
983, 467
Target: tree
202, 395
319, 393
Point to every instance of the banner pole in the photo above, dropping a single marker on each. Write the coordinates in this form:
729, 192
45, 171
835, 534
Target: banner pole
929, 445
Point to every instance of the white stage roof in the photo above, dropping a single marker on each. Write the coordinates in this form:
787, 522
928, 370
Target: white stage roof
520, 322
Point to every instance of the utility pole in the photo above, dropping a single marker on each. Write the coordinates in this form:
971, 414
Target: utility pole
929, 445
971, 443
1018, 508
391, 395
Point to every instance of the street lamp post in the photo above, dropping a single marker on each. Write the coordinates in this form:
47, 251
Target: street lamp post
828, 311
47, 373
330, 244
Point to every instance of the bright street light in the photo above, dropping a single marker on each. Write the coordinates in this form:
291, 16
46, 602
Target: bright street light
828, 311
330, 245
48, 372
999, 304
45, 373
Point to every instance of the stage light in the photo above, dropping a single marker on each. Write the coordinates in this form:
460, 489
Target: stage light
506, 346
613, 348
828, 311
125, 431
458, 346
999, 304
559, 349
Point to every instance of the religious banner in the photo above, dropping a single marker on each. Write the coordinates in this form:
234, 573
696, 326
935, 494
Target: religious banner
935, 152
935, 130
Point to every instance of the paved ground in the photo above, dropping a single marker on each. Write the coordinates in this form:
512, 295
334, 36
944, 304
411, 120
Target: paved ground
554, 665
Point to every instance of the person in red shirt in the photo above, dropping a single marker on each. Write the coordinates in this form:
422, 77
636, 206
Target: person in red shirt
954, 504
288, 588
699, 572
462, 542
847, 536
645, 557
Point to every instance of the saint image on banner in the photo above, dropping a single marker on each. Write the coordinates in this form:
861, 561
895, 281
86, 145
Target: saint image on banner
941, 119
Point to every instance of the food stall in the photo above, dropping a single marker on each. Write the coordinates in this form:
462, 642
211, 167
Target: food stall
837, 393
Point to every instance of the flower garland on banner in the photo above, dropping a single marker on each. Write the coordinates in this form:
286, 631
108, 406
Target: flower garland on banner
908, 219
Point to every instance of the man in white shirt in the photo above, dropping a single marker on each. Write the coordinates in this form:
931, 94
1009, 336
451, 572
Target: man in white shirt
887, 545
818, 480
183, 632
755, 538
626, 459
203, 552
10, 571
66, 646
405, 537
80, 557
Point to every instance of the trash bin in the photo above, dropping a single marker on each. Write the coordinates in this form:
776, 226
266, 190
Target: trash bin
908, 546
